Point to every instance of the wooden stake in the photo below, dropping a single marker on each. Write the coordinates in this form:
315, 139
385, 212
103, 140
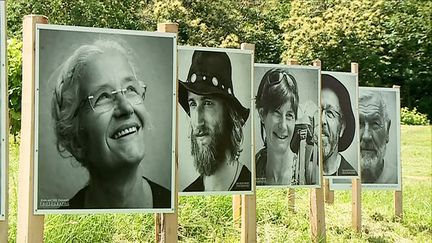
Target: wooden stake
398, 199
356, 205
328, 194
167, 223
356, 185
248, 202
29, 227
248, 209
398, 204
236, 207
291, 191
316, 204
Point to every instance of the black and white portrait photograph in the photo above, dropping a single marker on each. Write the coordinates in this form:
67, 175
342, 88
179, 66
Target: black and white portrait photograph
3, 110
215, 136
286, 110
340, 127
379, 116
105, 111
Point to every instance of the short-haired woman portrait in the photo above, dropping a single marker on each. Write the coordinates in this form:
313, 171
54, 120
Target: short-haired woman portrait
286, 130
100, 117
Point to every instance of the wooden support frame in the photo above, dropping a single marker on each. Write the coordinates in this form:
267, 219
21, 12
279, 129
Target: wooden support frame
29, 226
328, 193
356, 185
236, 207
398, 196
316, 204
248, 202
291, 191
166, 224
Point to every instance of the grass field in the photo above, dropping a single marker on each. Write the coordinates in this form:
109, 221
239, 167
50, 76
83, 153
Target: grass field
209, 219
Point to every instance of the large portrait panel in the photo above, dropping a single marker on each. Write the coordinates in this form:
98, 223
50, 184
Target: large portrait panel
379, 114
215, 136
4, 133
105, 120
287, 125
340, 126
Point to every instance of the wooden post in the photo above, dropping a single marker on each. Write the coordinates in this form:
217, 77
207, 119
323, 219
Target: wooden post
398, 202
291, 191
328, 194
236, 207
248, 202
167, 223
316, 204
4, 126
356, 185
29, 226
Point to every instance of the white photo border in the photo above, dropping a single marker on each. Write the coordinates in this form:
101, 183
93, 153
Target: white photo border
172, 36
354, 103
373, 186
4, 103
251, 122
282, 66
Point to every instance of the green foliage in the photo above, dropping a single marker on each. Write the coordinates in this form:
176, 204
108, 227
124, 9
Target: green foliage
226, 23
116, 14
391, 40
413, 117
14, 49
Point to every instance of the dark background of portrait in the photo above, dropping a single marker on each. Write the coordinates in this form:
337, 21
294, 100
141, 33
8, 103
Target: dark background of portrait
3, 104
392, 156
61, 178
308, 85
352, 153
242, 68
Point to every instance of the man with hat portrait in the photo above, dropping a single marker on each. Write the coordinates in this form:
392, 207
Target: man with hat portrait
216, 120
338, 127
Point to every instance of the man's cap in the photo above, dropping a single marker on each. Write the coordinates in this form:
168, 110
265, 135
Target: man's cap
210, 74
330, 82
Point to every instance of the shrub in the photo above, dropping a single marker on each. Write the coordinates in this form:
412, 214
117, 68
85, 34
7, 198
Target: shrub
14, 80
413, 117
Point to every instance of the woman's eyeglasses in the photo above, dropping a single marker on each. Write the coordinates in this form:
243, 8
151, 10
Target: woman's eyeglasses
104, 100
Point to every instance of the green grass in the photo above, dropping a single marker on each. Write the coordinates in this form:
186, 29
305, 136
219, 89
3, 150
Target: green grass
209, 219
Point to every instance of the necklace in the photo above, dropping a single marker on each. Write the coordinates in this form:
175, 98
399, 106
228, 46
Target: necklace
235, 177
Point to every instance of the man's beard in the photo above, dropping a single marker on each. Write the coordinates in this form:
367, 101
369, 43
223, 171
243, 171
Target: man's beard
208, 158
372, 163
329, 143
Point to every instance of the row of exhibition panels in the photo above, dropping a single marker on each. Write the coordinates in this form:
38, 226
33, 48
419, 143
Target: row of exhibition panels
158, 130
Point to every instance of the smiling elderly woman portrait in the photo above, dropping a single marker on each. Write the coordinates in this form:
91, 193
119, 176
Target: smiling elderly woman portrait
100, 117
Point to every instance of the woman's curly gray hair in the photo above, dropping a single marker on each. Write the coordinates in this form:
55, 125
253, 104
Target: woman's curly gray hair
65, 100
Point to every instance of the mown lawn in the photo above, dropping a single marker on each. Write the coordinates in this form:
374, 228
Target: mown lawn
209, 219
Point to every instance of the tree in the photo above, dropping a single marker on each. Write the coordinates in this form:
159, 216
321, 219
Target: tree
391, 41
225, 23
116, 14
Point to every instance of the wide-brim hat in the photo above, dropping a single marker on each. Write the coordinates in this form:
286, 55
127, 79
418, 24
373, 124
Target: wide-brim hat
210, 74
330, 82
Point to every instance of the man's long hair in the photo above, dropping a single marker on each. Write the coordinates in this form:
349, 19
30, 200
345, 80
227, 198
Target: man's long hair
224, 146
234, 123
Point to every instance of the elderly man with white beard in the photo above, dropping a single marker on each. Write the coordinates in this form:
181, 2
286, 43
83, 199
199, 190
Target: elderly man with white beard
374, 136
